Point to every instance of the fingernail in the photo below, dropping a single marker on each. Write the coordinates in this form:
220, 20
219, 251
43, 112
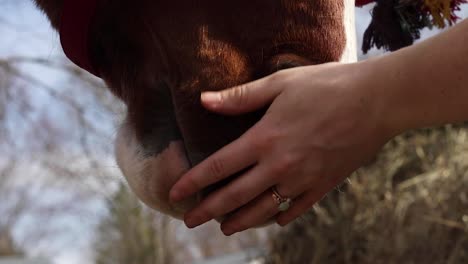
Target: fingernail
227, 231
211, 98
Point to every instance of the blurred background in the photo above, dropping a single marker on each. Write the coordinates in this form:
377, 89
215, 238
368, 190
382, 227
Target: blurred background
64, 201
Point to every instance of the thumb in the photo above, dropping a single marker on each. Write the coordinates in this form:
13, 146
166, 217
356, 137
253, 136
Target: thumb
244, 98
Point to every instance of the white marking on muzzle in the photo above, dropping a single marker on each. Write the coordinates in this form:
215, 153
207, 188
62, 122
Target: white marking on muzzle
152, 177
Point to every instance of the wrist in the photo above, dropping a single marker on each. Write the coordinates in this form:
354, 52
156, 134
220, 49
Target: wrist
423, 85
378, 77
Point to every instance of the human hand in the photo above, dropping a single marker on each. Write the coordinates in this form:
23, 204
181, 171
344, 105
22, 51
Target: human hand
323, 123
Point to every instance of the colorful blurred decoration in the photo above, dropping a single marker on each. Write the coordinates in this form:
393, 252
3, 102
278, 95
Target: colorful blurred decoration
398, 23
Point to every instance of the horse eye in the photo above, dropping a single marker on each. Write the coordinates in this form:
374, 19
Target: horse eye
283, 65
284, 61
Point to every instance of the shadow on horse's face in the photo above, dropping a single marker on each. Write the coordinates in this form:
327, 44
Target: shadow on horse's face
159, 55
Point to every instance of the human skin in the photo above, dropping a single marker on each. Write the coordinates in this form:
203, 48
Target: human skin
323, 123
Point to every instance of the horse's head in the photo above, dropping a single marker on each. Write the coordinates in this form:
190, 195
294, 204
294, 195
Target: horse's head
158, 56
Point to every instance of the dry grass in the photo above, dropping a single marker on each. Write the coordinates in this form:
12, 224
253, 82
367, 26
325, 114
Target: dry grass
410, 206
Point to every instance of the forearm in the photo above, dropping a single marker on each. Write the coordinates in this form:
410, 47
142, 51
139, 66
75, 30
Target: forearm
423, 85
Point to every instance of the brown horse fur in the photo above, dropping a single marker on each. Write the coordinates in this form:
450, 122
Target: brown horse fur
157, 56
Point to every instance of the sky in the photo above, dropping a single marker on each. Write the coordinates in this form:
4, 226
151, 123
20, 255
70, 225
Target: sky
24, 31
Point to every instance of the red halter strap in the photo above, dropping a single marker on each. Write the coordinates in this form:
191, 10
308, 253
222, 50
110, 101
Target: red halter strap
76, 19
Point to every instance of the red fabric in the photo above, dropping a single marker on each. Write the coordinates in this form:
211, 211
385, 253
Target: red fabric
363, 2
76, 19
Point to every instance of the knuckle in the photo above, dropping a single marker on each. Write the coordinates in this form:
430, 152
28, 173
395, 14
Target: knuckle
216, 168
191, 184
258, 144
236, 196
238, 95
285, 163
268, 140
272, 136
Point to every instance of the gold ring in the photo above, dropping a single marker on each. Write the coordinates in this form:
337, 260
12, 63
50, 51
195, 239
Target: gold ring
283, 202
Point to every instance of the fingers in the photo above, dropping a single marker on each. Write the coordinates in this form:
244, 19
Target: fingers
244, 98
235, 195
300, 206
229, 160
256, 213
308, 198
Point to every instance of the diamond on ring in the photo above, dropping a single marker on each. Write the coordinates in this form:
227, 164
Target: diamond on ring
283, 202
